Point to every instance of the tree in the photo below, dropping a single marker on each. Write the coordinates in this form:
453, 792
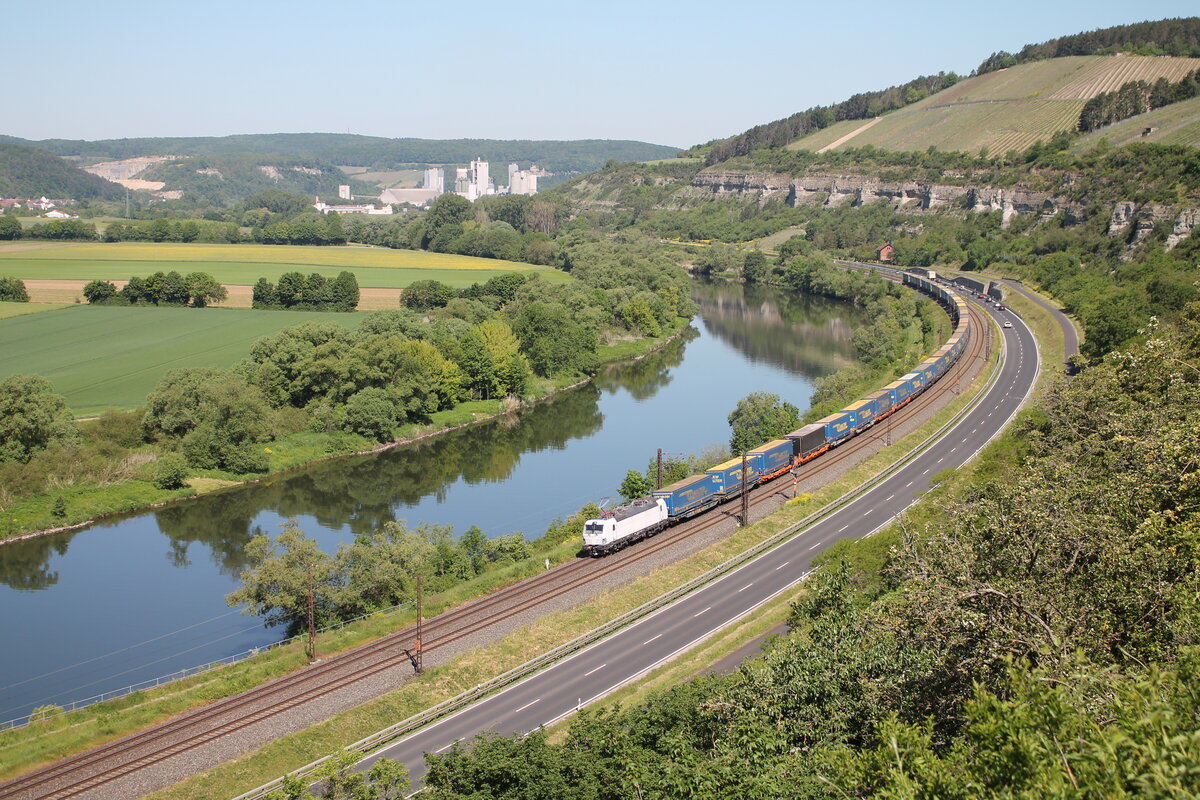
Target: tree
553, 341
754, 268
343, 291
203, 289
759, 418
448, 209
371, 413
10, 227
635, 485
32, 417
264, 294
99, 291
289, 289
478, 366
426, 294
275, 585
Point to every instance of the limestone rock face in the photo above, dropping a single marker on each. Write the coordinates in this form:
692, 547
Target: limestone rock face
1122, 216
1147, 217
1185, 223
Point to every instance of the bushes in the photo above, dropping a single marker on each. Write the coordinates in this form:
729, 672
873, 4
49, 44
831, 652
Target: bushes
12, 290
170, 471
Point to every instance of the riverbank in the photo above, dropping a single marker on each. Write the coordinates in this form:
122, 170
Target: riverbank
83, 506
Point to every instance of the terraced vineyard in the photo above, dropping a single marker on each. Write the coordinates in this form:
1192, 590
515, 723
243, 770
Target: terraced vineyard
1009, 109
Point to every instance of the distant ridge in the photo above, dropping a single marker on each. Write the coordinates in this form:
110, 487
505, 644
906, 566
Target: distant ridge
30, 172
373, 152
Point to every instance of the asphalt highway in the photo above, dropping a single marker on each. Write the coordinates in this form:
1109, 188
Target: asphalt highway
624, 657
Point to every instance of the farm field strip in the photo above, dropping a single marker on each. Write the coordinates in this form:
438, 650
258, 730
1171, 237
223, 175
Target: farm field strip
351, 256
248, 272
103, 357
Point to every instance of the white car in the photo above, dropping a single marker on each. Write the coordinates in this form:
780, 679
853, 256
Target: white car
1007, 324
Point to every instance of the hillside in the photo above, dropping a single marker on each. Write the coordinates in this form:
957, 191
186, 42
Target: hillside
1008, 109
30, 172
1178, 123
373, 152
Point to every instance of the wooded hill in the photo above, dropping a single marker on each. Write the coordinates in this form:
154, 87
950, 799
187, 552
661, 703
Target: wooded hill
30, 172
373, 152
1008, 104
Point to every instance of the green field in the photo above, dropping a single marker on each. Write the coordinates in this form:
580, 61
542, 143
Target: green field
8, 310
245, 264
103, 357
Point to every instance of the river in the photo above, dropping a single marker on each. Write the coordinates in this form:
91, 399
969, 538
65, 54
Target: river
142, 596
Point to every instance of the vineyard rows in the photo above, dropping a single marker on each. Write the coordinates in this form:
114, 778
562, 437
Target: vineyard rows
1109, 73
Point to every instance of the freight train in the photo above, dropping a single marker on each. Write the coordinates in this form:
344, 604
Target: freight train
646, 516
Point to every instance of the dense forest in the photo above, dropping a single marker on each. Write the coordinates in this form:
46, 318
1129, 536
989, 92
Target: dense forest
32, 172
374, 152
1171, 37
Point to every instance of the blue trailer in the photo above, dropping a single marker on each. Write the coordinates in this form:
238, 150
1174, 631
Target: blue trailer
839, 427
865, 411
691, 495
883, 403
729, 475
773, 458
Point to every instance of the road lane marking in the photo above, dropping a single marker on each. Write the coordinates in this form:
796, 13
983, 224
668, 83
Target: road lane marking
651, 639
781, 566
889, 497
698, 613
839, 530
815, 546
744, 588
597, 669
447, 747
527, 705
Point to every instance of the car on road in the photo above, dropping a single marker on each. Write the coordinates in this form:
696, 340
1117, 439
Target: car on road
1007, 324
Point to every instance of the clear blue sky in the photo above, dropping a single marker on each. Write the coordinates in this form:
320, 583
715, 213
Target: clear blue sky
674, 73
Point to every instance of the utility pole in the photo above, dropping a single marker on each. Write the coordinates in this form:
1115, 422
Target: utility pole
658, 474
745, 494
414, 655
311, 647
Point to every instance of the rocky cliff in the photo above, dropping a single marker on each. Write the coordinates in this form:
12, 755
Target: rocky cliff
915, 197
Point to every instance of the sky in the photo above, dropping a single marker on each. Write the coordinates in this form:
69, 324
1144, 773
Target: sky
666, 72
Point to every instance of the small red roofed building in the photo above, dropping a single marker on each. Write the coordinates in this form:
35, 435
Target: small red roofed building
886, 254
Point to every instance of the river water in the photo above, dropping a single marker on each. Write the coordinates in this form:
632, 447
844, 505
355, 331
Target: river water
143, 596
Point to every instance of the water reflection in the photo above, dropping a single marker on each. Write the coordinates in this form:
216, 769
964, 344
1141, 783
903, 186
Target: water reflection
146, 591
799, 333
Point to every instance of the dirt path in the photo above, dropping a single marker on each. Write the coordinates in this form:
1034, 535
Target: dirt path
849, 135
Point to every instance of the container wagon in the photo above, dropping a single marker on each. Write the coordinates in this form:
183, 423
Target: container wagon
729, 477
690, 496
773, 458
809, 442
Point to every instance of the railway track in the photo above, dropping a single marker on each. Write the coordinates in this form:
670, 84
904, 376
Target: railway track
101, 766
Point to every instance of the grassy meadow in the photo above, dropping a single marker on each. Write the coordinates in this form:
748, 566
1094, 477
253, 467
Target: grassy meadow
245, 264
104, 357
